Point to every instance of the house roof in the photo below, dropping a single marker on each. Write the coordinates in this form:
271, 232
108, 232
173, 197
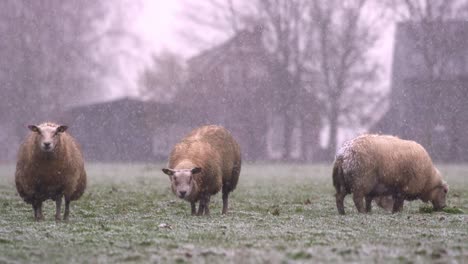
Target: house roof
247, 40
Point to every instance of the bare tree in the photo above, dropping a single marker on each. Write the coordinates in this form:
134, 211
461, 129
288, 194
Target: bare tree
161, 80
344, 41
53, 53
319, 59
52, 56
286, 27
51, 50
217, 19
290, 42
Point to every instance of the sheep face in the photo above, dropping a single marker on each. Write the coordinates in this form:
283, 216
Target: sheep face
438, 196
182, 181
48, 136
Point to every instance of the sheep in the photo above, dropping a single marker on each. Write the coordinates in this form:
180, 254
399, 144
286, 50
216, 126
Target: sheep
379, 165
385, 202
207, 160
50, 166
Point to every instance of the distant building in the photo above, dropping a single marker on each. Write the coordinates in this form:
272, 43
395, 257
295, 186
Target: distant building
128, 129
429, 95
11, 141
112, 131
229, 85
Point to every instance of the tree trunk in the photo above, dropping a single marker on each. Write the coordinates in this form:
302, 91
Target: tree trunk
333, 133
287, 135
433, 92
310, 134
257, 140
302, 138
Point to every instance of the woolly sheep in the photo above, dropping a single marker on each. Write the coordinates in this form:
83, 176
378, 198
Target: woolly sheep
207, 160
50, 166
379, 165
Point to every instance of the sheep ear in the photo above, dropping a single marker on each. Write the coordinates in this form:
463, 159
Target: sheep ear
168, 172
196, 170
33, 128
62, 129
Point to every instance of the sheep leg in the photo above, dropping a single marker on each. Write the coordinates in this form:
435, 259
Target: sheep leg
37, 207
36, 211
358, 202
201, 206
194, 208
368, 203
207, 205
41, 215
58, 208
204, 203
67, 209
397, 203
225, 202
340, 202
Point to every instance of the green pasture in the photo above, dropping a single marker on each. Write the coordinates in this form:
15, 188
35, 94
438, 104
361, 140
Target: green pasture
280, 213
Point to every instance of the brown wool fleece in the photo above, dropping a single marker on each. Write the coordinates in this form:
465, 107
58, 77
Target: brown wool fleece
385, 165
213, 149
40, 176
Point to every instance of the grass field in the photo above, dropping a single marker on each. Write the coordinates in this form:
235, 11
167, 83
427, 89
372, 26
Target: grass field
278, 214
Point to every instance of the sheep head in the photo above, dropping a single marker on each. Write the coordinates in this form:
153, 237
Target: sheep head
182, 180
47, 135
438, 196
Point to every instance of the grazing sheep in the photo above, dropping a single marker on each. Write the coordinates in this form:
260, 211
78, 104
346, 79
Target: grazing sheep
50, 165
377, 165
204, 162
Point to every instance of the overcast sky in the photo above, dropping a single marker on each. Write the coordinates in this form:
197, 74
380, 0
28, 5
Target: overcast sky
155, 23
